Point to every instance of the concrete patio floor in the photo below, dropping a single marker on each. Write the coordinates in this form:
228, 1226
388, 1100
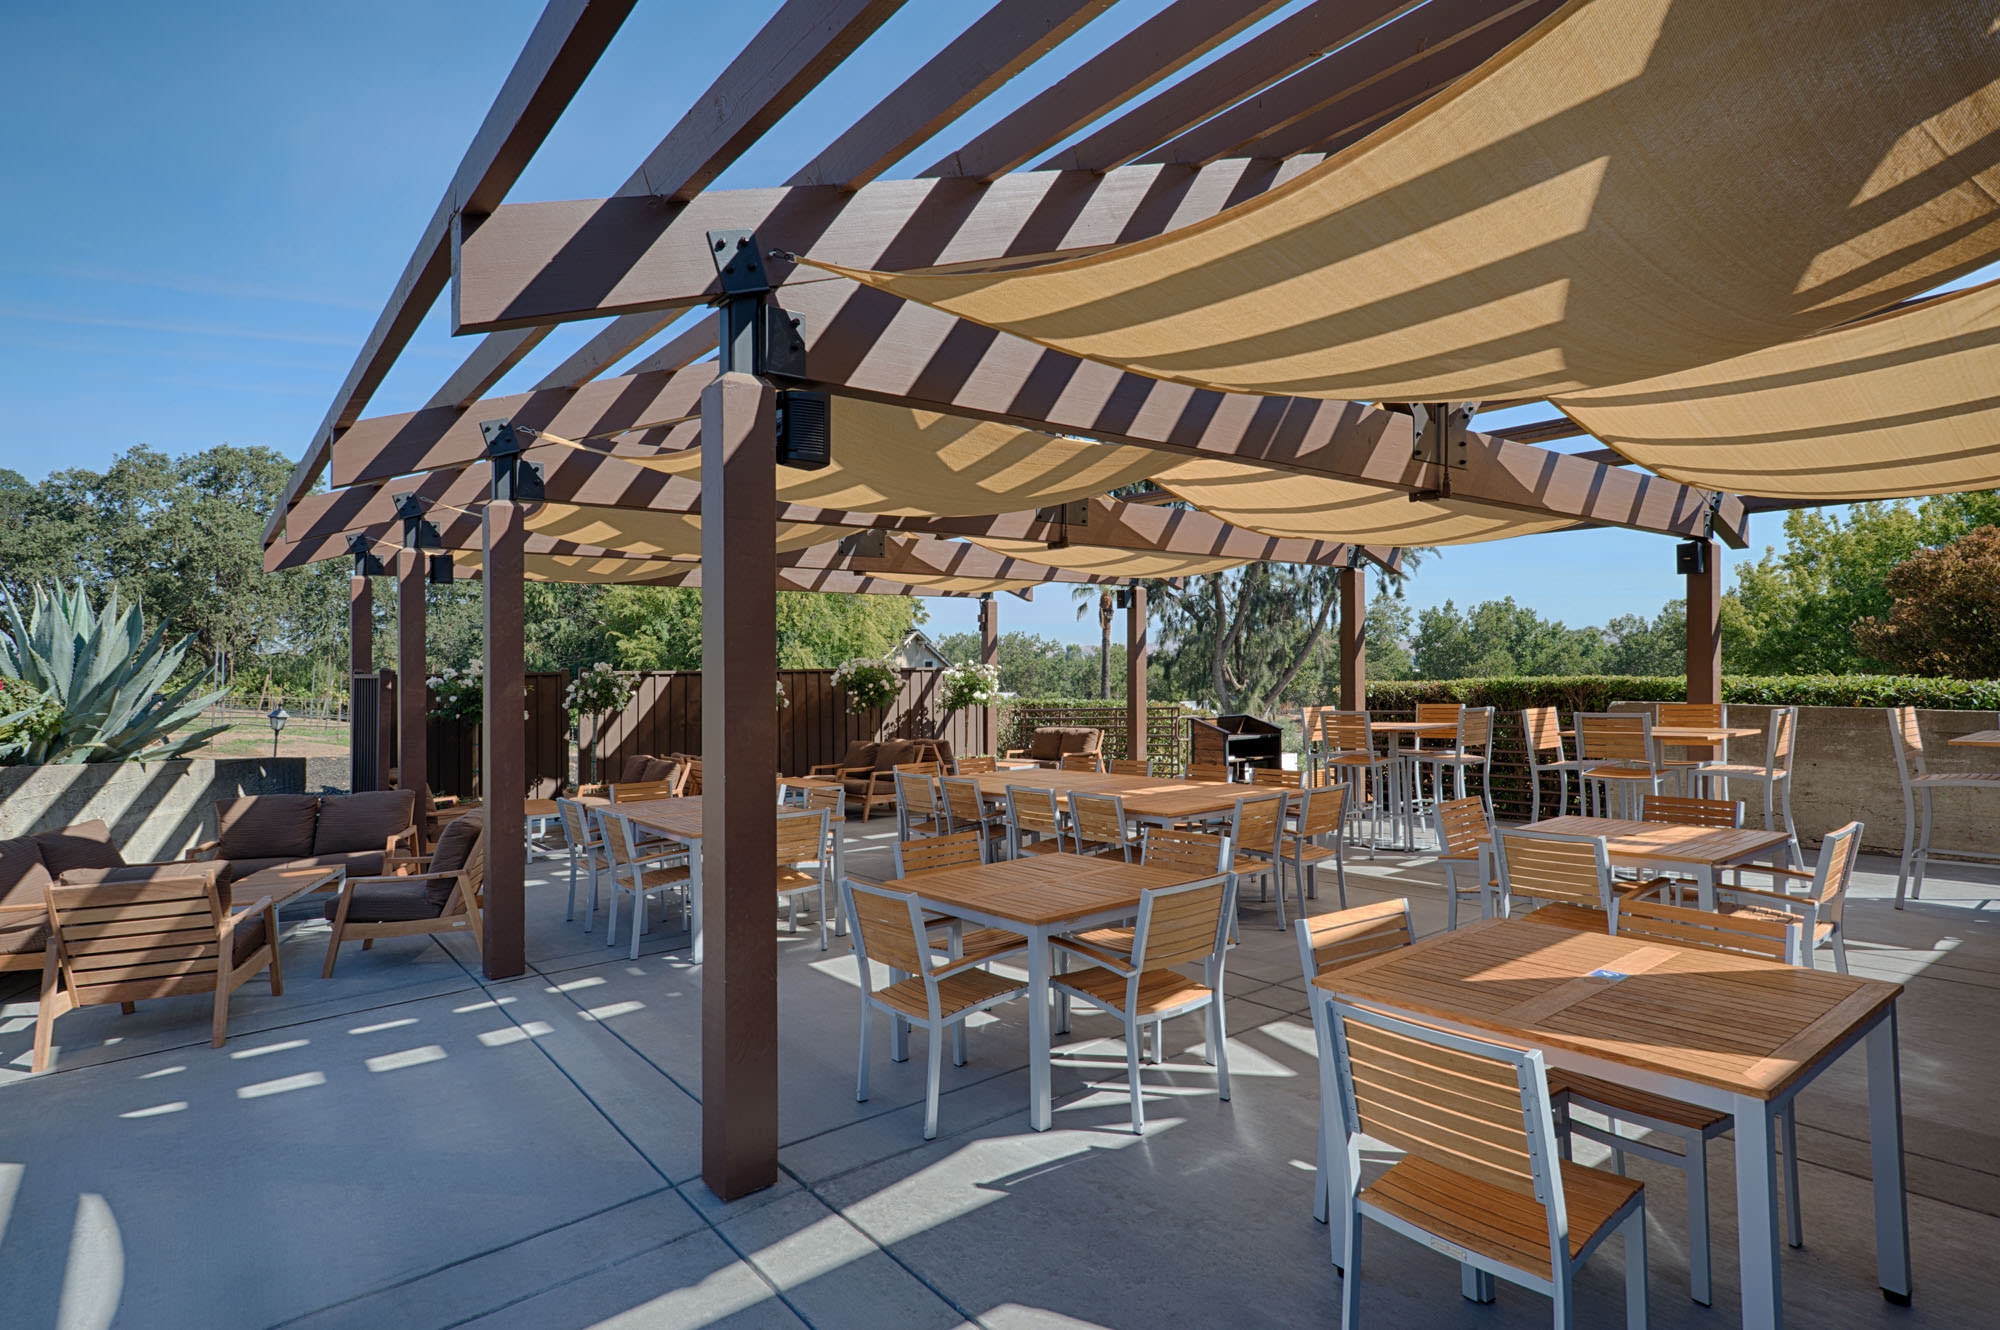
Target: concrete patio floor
406, 1145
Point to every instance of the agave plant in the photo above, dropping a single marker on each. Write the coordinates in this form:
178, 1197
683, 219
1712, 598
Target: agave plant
99, 683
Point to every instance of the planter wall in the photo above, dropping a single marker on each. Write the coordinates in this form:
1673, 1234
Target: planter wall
156, 810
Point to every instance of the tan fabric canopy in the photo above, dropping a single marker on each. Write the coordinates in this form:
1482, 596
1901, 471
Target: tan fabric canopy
639, 531
1907, 403
1634, 188
1107, 561
1282, 503
904, 463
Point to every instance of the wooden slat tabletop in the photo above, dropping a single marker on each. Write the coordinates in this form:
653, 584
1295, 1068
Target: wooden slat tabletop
1702, 734
680, 818
1654, 841
1143, 796
1977, 739
1421, 728
1039, 890
1743, 1025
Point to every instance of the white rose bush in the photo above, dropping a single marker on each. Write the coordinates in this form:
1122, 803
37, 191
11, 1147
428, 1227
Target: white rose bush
970, 685
868, 683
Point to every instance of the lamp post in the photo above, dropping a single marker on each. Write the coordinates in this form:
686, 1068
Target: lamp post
277, 717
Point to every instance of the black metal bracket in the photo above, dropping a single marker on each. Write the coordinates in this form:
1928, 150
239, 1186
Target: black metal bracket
419, 532
739, 263
870, 544
1437, 438
365, 562
514, 477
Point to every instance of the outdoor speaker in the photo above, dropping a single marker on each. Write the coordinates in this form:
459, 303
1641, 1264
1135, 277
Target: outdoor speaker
805, 430
1691, 557
441, 569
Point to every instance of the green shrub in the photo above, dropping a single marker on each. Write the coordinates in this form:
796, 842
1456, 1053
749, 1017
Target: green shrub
1596, 692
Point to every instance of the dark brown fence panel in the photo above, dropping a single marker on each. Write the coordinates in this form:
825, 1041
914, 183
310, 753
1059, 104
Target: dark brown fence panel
453, 765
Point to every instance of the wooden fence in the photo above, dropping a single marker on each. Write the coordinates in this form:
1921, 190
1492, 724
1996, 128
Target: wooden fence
453, 748
665, 717
1166, 728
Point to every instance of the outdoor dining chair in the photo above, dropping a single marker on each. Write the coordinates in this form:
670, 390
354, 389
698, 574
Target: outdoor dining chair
1541, 735
1197, 853
1919, 784
128, 942
966, 809
1098, 826
923, 989
640, 866
1693, 772
805, 868
1178, 925
1080, 762
1032, 811
984, 765
1542, 866
1475, 732
1209, 773
1821, 906
1126, 766
1774, 776
1349, 755
1255, 828
960, 849
586, 846
1337, 939
918, 812
1317, 816
1465, 829
1480, 1177
1617, 750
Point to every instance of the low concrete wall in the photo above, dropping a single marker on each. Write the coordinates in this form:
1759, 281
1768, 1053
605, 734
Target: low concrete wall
156, 810
1844, 768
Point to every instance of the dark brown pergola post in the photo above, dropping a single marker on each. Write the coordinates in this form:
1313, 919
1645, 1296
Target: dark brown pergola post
1704, 626
412, 696
739, 658
1135, 674
989, 654
1353, 639
360, 661
503, 781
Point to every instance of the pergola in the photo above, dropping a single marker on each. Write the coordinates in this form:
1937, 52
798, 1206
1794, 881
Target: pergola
1273, 289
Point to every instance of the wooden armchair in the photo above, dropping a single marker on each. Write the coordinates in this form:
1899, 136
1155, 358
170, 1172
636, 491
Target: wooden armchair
435, 893
127, 941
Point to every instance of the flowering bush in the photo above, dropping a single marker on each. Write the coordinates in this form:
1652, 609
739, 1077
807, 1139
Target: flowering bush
971, 685
868, 683
598, 691
26, 716
458, 694
783, 699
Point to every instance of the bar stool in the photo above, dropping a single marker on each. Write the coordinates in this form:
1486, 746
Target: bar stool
1541, 732
1693, 772
1918, 783
1616, 748
1348, 740
1475, 730
1776, 774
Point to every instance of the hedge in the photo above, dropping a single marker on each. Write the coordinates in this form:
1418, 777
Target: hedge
1594, 692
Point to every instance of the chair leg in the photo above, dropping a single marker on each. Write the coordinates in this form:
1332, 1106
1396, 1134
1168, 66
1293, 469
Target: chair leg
220, 1031
1923, 850
1450, 899
1350, 1267
867, 1034
611, 915
934, 1037
1134, 1032
1791, 830
1218, 1049
51, 998
569, 907
1635, 1269
638, 918
1909, 845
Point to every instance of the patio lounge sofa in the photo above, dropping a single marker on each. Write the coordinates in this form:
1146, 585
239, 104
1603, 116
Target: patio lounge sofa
357, 832
1052, 743
868, 770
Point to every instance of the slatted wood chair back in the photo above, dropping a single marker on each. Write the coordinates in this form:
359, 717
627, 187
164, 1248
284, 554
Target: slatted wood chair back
1209, 773
977, 766
1033, 808
576, 824
1541, 729
1346, 936
1540, 866
801, 838
1097, 819
1285, 780
632, 791
472, 877
1475, 728
1463, 825
1766, 937
1908, 737
690, 774
1180, 925
933, 769
1709, 715
888, 929
1257, 823
1688, 812
830, 799
963, 802
128, 941
624, 841
1346, 732
1130, 766
1081, 762
918, 794
1784, 733
927, 854
1320, 809
1837, 856
1614, 736
1196, 851
1456, 1102
1439, 713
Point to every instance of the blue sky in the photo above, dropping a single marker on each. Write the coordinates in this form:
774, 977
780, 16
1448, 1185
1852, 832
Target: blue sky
209, 203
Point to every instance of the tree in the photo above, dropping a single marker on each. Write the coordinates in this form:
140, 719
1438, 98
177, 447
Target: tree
1100, 596
1241, 639
1385, 635
1946, 616
1497, 638
1637, 645
659, 628
1032, 666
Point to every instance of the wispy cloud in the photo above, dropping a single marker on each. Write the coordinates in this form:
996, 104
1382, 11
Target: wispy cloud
194, 286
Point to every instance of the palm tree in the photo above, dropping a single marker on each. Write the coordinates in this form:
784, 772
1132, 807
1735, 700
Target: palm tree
1083, 595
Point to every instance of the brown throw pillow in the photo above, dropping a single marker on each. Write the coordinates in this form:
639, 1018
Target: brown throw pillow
85, 845
659, 768
1046, 745
265, 826
454, 847
634, 768
860, 755
352, 823
893, 753
22, 876
1080, 739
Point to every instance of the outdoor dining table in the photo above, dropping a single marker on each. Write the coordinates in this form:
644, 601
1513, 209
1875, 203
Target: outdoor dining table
1977, 739
678, 820
1148, 800
1038, 897
1730, 1033
1704, 852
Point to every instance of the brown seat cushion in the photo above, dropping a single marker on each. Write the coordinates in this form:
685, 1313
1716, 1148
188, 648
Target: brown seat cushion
634, 768
892, 753
260, 826
658, 768
387, 902
1046, 746
860, 754
361, 863
856, 785
22, 875
85, 845
22, 934
349, 823
1080, 739
454, 847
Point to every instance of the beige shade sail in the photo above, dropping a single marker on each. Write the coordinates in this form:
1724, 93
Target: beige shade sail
949, 582
1903, 404
640, 531
1106, 560
901, 462
1282, 503
1633, 188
